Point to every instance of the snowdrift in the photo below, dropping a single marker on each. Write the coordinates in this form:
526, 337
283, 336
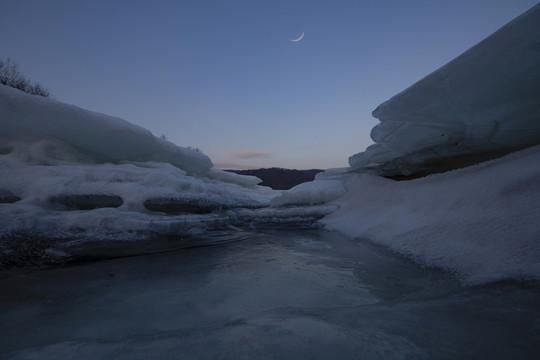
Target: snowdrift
58, 133
480, 222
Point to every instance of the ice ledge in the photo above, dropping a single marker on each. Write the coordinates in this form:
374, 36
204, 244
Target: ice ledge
49, 132
481, 105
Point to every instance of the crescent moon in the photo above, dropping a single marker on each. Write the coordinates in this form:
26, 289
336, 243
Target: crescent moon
297, 40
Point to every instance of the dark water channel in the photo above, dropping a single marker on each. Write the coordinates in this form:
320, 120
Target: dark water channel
275, 295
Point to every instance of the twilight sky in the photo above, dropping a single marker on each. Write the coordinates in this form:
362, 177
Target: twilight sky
223, 76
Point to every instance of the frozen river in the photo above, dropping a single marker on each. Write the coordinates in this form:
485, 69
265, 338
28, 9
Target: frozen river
277, 295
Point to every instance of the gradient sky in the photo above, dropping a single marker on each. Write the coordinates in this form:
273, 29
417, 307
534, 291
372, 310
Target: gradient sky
223, 76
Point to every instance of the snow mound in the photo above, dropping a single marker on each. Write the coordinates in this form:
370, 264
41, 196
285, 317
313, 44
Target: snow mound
311, 193
47, 132
480, 222
481, 105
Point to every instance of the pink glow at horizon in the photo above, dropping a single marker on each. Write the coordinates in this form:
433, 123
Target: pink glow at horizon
248, 154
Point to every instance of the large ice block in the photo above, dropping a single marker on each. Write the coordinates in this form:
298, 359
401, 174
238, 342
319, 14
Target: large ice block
483, 104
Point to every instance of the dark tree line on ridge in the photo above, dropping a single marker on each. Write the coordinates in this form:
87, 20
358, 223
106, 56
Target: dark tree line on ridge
10, 76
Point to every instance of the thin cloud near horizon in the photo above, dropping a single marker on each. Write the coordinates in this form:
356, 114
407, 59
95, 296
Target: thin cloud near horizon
248, 154
234, 166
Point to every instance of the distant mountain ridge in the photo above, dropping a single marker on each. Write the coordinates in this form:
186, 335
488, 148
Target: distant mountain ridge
279, 178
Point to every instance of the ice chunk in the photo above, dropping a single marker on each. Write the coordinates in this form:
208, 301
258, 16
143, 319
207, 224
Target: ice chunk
483, 103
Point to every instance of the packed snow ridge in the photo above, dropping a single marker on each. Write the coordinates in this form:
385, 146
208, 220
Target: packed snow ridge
481, 105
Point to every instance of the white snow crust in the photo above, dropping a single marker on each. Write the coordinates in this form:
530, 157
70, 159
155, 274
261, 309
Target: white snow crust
480, 222
484, 102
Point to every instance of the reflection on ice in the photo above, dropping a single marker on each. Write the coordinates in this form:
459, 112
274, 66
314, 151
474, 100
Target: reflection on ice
279, 294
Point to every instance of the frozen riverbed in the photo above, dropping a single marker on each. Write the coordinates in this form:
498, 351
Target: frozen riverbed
274, 294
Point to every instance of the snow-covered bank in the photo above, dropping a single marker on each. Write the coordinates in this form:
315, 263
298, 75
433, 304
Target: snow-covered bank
481, 105
70, 173
480, 222
68, 176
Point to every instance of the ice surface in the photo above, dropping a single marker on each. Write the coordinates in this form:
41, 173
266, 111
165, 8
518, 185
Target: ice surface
276, 295
480, 105
480, 222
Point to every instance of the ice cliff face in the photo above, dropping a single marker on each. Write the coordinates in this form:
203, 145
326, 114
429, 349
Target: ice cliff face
483, 104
